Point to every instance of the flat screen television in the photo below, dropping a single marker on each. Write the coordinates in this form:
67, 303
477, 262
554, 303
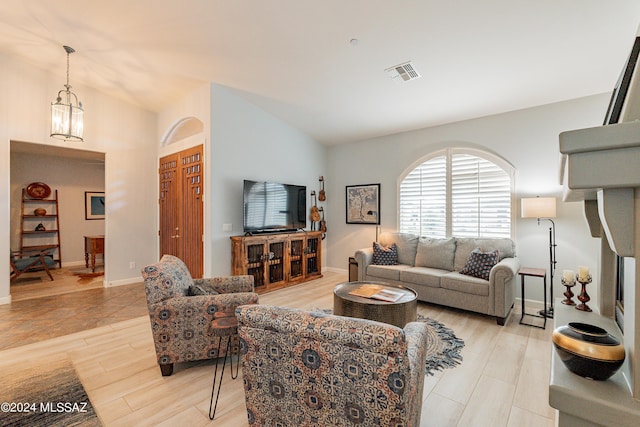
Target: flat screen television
274, 207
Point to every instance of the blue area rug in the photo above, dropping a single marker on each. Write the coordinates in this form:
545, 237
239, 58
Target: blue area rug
443, 347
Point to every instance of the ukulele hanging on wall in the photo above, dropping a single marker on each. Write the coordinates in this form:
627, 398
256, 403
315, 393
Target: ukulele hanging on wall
323, 223
322, 196
315, 214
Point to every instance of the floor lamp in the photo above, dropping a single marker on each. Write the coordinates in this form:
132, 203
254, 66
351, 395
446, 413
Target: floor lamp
544, 208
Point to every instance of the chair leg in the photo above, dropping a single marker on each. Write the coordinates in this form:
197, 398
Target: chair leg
167, 369
44, 264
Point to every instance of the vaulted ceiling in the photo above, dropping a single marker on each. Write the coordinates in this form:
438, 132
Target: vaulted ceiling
320, 65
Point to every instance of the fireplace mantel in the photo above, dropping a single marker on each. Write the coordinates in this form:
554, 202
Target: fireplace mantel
595, 166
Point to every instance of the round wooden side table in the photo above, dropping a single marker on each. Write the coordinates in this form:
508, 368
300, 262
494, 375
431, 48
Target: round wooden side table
360, 299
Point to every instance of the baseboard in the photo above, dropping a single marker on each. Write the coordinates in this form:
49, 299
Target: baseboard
336, 270
122, 282
5, 300
73, 264
530, 303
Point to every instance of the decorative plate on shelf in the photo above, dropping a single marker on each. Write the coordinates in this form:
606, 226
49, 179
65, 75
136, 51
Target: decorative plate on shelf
38, 190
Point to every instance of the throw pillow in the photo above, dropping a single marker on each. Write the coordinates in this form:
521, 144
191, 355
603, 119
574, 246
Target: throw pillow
385, 255
436, 253
479, 264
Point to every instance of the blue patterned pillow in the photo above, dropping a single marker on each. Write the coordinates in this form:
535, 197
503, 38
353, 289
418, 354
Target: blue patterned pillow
479, 264
385, 255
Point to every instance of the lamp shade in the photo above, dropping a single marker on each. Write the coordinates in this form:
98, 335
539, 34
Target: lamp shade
67, 121
538, 207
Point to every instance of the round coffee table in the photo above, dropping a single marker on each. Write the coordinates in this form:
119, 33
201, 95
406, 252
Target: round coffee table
360, 299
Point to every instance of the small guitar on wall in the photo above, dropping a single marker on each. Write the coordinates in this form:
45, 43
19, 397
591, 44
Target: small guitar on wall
315, 214
322, 196
323, 223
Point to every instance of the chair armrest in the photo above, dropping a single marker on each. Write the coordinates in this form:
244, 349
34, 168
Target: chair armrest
363, 257
227, 284
205, 305
31, 253
416, 334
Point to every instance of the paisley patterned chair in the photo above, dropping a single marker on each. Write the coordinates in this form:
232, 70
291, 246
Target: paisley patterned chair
184, 312
305, 368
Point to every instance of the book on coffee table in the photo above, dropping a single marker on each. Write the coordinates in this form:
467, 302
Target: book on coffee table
377, 292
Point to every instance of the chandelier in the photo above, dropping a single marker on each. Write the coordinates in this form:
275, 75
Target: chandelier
66, 112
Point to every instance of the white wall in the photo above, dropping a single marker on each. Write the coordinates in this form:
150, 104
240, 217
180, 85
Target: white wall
248, 143
528, 139
127, 136
71, 177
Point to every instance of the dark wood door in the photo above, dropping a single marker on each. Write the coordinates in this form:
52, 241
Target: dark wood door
181, 207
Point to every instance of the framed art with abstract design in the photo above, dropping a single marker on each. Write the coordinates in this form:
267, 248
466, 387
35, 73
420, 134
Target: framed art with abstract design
363, 204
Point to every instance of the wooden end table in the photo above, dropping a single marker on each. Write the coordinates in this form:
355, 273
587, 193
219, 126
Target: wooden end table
93, 245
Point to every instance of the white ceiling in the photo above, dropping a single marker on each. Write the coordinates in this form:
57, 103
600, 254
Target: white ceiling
294, 58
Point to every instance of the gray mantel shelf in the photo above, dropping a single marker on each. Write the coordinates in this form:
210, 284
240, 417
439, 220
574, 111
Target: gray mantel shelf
602, 163
587, 403
600, 157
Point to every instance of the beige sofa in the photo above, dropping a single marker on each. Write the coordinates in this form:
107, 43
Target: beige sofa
432, 268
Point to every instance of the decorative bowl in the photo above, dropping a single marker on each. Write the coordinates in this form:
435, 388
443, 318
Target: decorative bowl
40, 212
588, 350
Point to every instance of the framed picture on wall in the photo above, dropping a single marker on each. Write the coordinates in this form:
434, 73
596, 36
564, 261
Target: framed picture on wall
94, 205
363, 204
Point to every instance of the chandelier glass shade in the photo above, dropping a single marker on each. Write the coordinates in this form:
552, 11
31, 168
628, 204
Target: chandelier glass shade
67, 115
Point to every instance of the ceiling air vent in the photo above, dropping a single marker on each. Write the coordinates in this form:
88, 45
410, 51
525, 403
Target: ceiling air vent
405, 72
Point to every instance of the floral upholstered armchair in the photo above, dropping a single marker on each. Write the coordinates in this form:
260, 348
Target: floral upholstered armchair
304, 368
184, 312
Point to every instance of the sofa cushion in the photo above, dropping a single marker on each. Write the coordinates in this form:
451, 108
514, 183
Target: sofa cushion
468, 284
407, 244
464, 246
389, 272
480, 263
424, 276
385, 255
436, 253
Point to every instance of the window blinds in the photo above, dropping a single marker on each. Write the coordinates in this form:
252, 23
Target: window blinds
456, 194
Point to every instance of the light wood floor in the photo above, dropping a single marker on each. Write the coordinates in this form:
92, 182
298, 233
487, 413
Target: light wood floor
502, 381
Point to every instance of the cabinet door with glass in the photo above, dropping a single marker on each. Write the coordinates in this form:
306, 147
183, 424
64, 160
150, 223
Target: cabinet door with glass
275, 263
297, 247
252, 259
312, 257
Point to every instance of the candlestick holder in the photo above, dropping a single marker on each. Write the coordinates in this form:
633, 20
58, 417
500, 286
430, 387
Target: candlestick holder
584, 296
568, 293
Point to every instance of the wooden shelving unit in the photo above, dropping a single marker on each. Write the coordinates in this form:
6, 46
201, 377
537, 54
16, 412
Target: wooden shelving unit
37, 240
277, 260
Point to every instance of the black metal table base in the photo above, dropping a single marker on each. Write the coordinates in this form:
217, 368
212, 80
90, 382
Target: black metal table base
544, 314
214, 405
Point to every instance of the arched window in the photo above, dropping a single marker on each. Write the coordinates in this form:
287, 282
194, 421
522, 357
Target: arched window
457, 192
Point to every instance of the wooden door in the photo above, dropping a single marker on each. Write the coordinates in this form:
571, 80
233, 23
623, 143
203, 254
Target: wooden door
181, 207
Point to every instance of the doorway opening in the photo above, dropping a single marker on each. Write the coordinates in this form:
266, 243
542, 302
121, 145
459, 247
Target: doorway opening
70, 173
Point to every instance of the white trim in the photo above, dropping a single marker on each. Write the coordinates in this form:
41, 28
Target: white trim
123, 282
336, 270
5, 300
